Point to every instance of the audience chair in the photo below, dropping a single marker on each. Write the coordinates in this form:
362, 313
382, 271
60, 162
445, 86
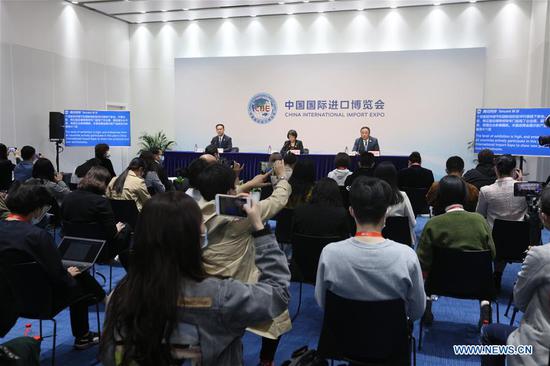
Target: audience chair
125, 211
306, 250
511, 243
417, 196
397, 229
90, 230
8, 305
462, 275
366, 332
34, 293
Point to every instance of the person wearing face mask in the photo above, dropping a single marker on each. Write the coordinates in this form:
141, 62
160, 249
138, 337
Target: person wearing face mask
130, 185
28, 203
158, 156
102, 158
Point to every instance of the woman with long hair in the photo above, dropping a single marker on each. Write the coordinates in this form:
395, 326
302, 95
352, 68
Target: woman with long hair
400, 205
44, 173
130, 185
152, 180
168, 308
301, 181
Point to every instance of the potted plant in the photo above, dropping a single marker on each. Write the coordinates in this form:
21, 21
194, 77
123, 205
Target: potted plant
157, 140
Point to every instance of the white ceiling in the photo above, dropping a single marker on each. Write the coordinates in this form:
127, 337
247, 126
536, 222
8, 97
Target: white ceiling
151, 11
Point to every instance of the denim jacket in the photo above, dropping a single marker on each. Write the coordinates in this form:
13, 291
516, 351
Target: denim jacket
214, 313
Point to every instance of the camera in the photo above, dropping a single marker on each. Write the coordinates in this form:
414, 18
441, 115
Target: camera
531, 191
545, 140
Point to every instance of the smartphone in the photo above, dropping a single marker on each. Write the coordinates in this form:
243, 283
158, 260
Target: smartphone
265, 167
12, 150
524, 189
227, 205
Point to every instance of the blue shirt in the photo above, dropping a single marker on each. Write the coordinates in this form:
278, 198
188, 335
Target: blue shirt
23, 171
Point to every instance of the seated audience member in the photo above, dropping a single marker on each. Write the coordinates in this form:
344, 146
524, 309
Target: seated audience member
6, 169
151, 177
324, 214
102, 158
28, 204
455, 229
415, 176
497, 201
44, 173
194, 169
230, 250
301, 181
274, 157
130, 184
342, 163
88, 204
365, 168
158, 165
169, 308
454, 166
212, 150
400, 204
393, 270
23, 170
292, 143
531, 296
484, 173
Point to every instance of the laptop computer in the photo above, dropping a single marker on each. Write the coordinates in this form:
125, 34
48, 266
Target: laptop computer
80, 252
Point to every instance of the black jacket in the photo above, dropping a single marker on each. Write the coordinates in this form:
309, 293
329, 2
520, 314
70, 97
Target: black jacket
297, 146
6, 174
415, 176
162, 175
104, 162
482, 175
40, 246
83, 207
361, 172
226, 144
321, 219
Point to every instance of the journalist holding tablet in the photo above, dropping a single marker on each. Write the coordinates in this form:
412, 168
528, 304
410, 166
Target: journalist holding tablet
366, 142
292, 143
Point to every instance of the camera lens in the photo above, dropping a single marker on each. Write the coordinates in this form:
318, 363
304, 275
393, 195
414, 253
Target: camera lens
544, 140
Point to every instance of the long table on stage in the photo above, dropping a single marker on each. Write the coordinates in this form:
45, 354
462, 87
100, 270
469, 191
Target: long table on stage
324, 163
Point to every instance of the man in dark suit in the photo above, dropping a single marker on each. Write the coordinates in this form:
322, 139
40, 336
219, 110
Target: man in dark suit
366, 142
415, 176
221, 141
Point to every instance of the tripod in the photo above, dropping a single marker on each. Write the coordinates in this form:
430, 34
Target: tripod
58, 150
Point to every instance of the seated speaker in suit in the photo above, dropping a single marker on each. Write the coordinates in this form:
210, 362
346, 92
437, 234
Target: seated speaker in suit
292, 143
221, 140
366, 142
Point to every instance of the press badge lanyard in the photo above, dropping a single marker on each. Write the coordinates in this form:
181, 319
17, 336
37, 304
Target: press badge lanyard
371, 234
15, 217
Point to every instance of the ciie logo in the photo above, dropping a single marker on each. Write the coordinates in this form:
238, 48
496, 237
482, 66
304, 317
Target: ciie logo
262, 108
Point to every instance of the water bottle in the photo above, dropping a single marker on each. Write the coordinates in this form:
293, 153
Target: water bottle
28, 330
196, 148
346, 150
269, 149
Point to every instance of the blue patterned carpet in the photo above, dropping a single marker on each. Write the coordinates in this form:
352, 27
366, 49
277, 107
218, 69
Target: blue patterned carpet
455, 323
